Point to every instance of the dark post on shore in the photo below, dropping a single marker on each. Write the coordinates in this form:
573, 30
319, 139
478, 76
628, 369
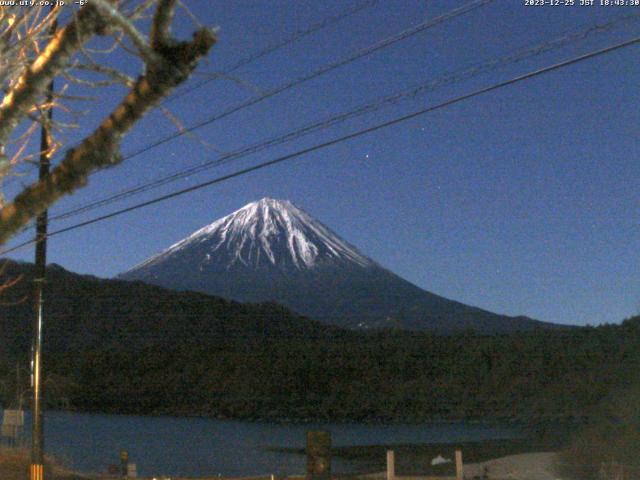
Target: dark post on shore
124, 464
318, 455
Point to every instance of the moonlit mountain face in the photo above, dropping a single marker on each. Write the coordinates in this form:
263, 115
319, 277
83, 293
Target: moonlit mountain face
268, 235
271, 250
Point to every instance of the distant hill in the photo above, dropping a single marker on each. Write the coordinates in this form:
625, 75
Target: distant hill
127, 347
271, 250
87, 313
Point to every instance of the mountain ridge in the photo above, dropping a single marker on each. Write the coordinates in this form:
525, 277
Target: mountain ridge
268, 214
271, 250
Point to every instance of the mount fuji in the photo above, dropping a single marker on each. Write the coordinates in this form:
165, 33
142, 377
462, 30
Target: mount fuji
271, 250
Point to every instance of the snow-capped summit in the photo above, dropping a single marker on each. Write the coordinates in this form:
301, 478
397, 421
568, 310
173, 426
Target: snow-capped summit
269, 233
271, 250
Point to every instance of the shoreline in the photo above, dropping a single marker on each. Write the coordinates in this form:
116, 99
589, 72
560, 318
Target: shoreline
414, 459
495, 456
520, 422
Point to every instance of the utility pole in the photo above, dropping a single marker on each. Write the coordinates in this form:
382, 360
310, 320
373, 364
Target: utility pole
37, 432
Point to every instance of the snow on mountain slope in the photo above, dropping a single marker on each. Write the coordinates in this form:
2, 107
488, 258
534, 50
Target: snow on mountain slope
266, 233
271, 250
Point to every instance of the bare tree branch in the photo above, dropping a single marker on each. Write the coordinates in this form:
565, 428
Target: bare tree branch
160, 31
34, 81
101, 149
119, 21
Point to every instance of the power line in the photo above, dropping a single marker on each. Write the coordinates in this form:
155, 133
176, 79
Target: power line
317, 73
276, 46
296, 36
427, 24
397, 120
431, 85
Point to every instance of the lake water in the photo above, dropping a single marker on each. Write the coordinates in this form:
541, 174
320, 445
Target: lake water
197, 446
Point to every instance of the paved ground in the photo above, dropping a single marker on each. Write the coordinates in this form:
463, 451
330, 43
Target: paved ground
526, 466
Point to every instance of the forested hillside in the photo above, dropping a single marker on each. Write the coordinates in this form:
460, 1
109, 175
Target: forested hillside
120, 346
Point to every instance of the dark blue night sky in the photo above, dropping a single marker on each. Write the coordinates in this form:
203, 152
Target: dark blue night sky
520, 201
